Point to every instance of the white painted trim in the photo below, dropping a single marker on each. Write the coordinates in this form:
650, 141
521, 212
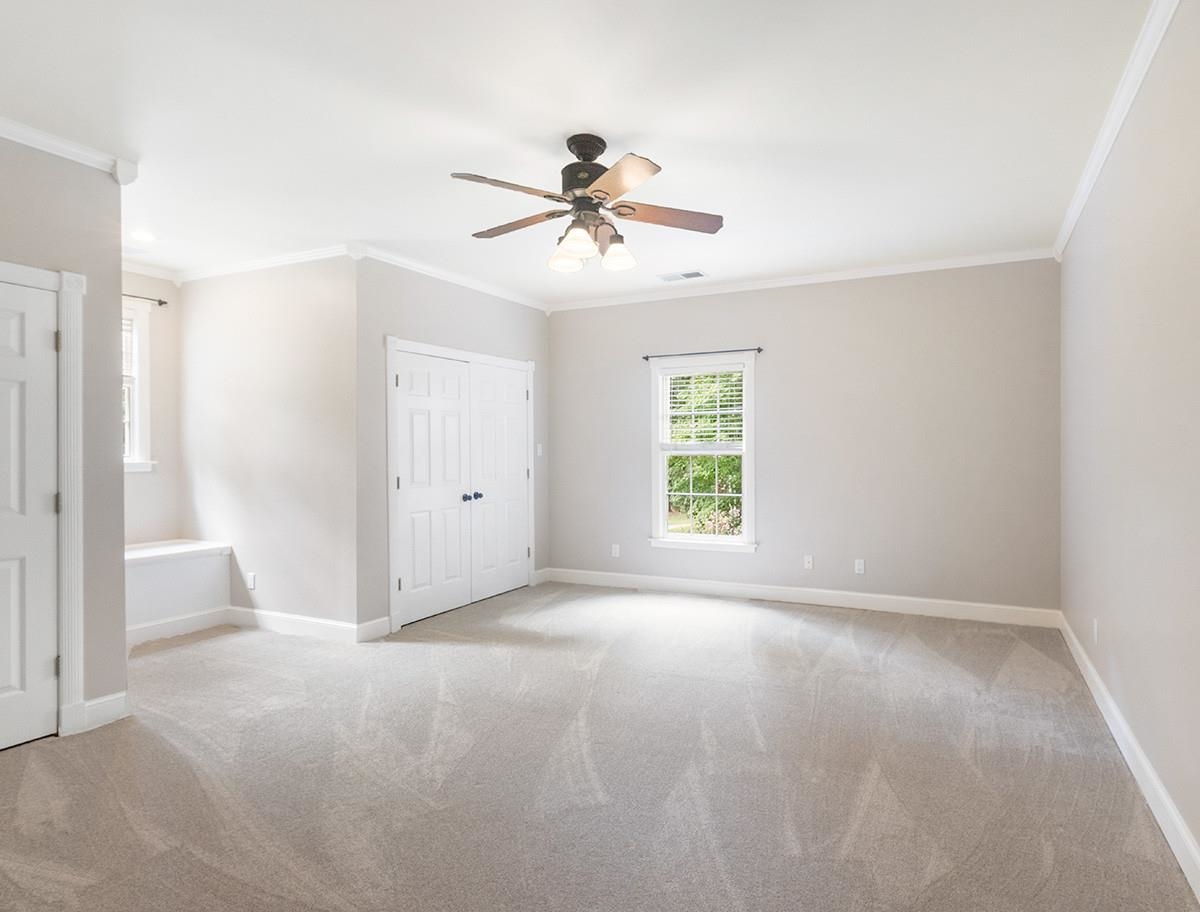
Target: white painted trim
122, 171
374, 630
132, 465
454, 278
394, 343
173, 550
538, 577
1158, 19
301, 625
284, 259
153, 272
699, 543
1181, 839
834, 598
85, 716
30, 276
700, 288
71, 580
138, 311
175, 626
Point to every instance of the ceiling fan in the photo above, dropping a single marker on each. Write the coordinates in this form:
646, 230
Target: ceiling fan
594, 194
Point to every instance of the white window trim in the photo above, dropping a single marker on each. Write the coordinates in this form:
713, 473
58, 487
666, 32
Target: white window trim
139, 311
678, 364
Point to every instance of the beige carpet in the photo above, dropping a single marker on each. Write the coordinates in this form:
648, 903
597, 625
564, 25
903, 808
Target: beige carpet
575, 749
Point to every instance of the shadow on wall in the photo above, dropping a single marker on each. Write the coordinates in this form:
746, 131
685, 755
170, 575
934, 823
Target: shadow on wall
239, 592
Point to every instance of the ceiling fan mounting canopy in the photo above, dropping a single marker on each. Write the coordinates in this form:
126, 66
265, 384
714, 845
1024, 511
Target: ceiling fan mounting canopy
592, 190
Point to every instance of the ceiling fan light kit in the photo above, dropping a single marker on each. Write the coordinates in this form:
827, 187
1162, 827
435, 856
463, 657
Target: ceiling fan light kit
592, 191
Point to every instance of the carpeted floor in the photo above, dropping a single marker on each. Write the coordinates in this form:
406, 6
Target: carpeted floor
573, 749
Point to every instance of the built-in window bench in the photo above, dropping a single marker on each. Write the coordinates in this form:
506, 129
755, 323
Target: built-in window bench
175, 587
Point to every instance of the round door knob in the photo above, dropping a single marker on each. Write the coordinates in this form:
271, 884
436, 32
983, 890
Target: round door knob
477, 495
466, 498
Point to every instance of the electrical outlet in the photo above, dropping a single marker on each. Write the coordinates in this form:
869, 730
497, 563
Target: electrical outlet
616, 550
251, 580
860, 565
539, 449
808, 562
1095, 631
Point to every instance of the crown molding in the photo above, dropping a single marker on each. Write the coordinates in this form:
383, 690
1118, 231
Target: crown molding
122, 171
1144, 50
385, 256
700, 289
285, 259
152, 272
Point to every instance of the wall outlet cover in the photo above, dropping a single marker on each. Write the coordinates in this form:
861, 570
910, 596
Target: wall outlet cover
808, 562
860, 565
251, 580
616, 550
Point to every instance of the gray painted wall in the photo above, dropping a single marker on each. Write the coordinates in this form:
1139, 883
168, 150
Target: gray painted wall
398, 302
64, 216
910, 420
1131, 417
267, 431
152, 511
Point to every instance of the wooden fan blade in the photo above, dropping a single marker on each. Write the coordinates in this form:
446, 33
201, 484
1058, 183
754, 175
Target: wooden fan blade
672, 218
505, 185
522, 223
629, 172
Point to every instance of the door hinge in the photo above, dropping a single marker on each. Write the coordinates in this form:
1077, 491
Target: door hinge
529, 552
527, 475
57, 502
400, 584
397, 482
58, 666
397, 380
526, 395
58, 340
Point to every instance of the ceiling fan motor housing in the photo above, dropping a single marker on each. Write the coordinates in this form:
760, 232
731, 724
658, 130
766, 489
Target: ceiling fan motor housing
578, 176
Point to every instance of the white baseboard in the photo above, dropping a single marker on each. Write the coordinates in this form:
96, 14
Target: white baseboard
176, 626
300, 625
537, 577
834, 598
373, 630
89, 714
1179, 836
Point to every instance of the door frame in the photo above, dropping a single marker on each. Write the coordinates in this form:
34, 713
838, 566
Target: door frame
395, 346
71, 288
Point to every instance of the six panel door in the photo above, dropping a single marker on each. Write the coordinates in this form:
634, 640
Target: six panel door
500, 474
28, 525
431, 522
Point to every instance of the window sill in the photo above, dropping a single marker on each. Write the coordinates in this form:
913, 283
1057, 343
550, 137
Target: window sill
135, 466
701, 544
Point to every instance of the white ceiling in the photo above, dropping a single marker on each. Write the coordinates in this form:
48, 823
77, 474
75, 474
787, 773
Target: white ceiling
831, 135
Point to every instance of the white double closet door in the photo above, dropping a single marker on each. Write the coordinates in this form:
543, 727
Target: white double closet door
459, 453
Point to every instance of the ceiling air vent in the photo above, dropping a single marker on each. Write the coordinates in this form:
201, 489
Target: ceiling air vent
680, 276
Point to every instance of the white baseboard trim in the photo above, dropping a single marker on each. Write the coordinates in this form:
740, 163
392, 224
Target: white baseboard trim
537, 577
300, 625
373, 630
176, 626
1179, 836
833, 598
89, 714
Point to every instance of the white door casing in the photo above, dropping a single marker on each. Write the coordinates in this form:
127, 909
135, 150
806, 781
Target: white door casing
496, 447
500, 473
28, 522
432, 503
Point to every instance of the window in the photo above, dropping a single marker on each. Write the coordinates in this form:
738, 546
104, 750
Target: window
135, 384
702, 452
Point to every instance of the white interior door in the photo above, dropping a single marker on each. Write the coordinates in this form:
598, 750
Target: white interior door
431, 464
28, 525
499, 480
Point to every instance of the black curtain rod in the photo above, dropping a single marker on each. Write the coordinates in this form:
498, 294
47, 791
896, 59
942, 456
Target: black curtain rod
723, 351
159, 301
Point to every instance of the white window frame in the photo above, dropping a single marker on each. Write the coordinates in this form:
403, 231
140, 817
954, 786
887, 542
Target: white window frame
139, 311
660, 370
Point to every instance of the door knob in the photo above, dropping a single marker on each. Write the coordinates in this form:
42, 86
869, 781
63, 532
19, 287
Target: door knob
466, 498
477, 495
